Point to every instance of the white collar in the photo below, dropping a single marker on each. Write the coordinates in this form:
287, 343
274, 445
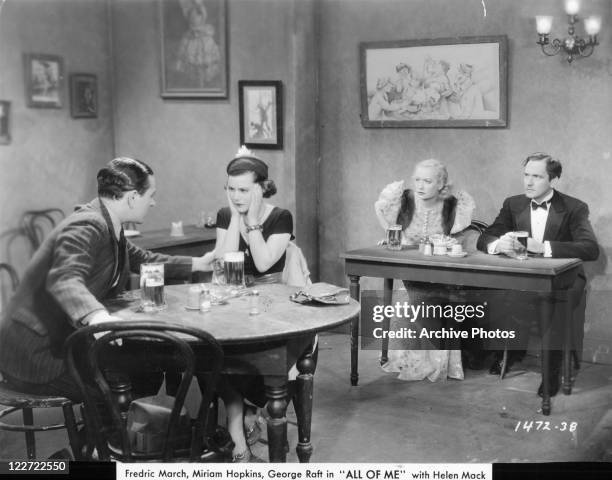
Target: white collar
547, 198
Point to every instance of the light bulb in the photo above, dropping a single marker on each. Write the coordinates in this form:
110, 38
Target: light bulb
543, 24
572, 6
592, 25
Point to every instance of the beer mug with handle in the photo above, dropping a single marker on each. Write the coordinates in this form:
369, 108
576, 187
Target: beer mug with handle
233, 267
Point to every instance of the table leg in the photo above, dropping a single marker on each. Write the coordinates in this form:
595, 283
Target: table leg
567, 345
302, 401
354, 290
277, 423
387, 296
546, 320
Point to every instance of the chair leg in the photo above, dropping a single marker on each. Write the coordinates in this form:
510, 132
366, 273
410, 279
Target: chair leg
76, 443
28, 419
504, 364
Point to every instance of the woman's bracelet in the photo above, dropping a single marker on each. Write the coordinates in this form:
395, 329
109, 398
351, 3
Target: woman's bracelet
250, 228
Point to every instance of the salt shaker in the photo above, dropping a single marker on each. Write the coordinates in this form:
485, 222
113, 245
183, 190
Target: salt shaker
428, 248
205, 300
254, 303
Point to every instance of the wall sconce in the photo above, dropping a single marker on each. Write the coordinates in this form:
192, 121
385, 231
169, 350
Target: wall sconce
573, 45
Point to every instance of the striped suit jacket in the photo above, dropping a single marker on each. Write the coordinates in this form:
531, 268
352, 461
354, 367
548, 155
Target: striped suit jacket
67, 278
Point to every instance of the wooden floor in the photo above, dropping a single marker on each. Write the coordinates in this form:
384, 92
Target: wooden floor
387, 420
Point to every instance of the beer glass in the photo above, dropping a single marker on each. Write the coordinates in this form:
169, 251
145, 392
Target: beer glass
521, 237
233, 268
394, 237
152, 287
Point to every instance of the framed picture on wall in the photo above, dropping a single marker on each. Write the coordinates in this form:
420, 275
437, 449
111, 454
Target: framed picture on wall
193, 48
261, 114
44, 79
5, 122
445, 82
83, 95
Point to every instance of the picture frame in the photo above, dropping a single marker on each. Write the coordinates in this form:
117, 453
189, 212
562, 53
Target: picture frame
44, 80
194, 58
83, 95
5, 122
436, 83
261, 113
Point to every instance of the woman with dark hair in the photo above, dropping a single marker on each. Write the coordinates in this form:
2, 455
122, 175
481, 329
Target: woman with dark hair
262, 232
83, 261
250, 225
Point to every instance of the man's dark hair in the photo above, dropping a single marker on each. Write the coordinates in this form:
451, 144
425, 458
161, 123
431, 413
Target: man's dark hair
121, 175
553, 166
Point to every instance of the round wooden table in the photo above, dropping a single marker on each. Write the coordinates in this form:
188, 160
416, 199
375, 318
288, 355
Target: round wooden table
267, 344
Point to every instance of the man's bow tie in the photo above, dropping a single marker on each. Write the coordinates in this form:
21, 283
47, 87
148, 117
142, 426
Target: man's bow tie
535, 205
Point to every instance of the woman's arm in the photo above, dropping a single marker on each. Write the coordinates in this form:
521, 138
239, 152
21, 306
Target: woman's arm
264, 253
228, 238
267, 253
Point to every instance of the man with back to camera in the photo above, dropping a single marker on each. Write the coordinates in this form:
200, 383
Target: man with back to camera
83, 261
558, 227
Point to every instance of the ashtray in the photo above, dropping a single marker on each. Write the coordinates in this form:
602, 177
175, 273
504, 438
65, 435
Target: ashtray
457, 255
187, 307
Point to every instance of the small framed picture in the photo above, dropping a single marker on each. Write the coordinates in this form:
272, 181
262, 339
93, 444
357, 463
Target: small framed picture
44, 79
5, 122
83, 95
261, 114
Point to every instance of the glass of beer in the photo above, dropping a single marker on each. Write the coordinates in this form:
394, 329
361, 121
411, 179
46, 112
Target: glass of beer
233, 268
521, 252
394, 237
152, 287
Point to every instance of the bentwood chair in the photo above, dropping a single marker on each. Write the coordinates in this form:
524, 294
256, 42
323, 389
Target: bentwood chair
120, 348
14, 401
37, 223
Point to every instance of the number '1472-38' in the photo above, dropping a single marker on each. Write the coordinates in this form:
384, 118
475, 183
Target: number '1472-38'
541, 425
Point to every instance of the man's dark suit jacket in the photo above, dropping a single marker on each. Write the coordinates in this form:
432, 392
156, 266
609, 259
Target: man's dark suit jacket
570, 235
567, 228
68, 277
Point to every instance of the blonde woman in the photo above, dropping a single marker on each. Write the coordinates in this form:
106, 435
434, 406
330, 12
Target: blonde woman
429, 208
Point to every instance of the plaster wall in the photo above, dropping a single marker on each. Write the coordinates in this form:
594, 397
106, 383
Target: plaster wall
554, 107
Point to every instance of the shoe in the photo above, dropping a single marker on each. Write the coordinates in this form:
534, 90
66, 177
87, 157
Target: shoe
252, 433
246, 457
513, 357
496, 367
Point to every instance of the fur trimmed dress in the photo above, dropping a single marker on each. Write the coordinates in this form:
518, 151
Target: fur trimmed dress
414, 359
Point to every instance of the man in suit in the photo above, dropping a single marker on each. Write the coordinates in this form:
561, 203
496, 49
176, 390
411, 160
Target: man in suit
558, 227
83, 261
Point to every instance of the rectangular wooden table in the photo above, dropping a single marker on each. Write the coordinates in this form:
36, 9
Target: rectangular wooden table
537, 274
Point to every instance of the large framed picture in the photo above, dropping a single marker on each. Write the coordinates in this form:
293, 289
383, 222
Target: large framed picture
5, 122
445, 82
193, 48
83, 95
44, 78
261, 114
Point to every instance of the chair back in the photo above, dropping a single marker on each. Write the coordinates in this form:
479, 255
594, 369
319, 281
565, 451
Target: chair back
14, 279
295, 273
37, 223
103, 397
